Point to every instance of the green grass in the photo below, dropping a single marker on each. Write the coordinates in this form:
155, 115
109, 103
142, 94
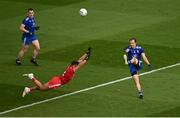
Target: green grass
65, 35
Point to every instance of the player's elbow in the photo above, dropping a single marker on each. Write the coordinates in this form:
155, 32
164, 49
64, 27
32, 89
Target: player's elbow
21, 28
144, 57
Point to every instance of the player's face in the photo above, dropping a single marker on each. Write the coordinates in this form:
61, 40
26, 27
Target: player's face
30, 13
132, 43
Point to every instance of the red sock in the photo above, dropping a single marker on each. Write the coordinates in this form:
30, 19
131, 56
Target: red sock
30, 90
33, 79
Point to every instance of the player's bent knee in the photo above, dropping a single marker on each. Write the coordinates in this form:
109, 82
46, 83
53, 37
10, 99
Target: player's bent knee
36, 44
38, 49
134, 61
24, 49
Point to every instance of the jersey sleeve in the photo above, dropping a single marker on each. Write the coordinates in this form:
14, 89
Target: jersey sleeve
24, 21
141, 50
126, 49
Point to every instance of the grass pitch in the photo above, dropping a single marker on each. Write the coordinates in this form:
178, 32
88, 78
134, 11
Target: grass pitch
65, 35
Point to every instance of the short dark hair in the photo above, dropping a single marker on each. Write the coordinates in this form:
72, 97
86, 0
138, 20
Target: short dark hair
131, 39
74, 63
30, 9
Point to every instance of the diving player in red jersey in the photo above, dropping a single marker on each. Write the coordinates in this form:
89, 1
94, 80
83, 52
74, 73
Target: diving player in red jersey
57, 81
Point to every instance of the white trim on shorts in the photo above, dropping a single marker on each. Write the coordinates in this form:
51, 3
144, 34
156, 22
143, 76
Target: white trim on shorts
24, 40
55, 85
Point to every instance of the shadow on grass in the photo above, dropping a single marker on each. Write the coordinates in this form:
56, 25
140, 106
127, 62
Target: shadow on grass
110, 53
49, 2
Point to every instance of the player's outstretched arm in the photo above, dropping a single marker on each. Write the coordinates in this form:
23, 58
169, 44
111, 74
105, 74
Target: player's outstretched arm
81, 63
82, 57
125, 59
145, 59
86, 56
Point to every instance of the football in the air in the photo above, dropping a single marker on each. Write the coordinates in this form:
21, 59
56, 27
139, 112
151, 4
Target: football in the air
83, 12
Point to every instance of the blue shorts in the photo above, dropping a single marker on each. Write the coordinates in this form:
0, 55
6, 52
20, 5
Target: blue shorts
135, 68
27, 40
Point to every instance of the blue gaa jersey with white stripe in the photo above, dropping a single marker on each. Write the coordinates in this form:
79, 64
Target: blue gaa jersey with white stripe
134, 52
29, 25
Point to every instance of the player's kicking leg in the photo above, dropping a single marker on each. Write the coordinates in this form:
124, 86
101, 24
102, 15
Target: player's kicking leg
134, 61
38, 84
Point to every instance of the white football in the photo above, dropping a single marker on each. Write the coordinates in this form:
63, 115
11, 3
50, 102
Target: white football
83, 12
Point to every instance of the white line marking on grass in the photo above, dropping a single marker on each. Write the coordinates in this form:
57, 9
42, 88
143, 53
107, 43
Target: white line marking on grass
87, 89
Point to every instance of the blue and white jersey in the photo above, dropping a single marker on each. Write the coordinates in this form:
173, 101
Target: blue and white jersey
134, 52
29, 25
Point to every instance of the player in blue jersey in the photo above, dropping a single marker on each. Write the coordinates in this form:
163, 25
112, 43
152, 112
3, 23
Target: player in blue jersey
28, 28
133, 60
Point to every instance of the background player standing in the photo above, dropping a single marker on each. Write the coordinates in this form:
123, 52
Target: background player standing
133, 59
28, 28
60, 80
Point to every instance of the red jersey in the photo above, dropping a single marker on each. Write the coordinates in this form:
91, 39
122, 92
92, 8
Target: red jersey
67, 75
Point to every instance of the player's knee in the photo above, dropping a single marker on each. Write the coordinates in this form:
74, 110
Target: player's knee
37, 49
42, 88
24, 49
134, 61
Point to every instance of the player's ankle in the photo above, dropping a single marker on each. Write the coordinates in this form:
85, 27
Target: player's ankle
33, 79
30, 89
33, 57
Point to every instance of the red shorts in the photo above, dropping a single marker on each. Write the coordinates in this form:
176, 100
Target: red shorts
55, 82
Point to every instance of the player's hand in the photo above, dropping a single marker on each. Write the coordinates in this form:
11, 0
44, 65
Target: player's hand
37, 27
126, 62
30, 33
149, 67
88, 51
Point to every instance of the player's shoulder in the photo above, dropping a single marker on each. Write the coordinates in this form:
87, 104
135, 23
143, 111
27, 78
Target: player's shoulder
139, 47
127, 49
26, 18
